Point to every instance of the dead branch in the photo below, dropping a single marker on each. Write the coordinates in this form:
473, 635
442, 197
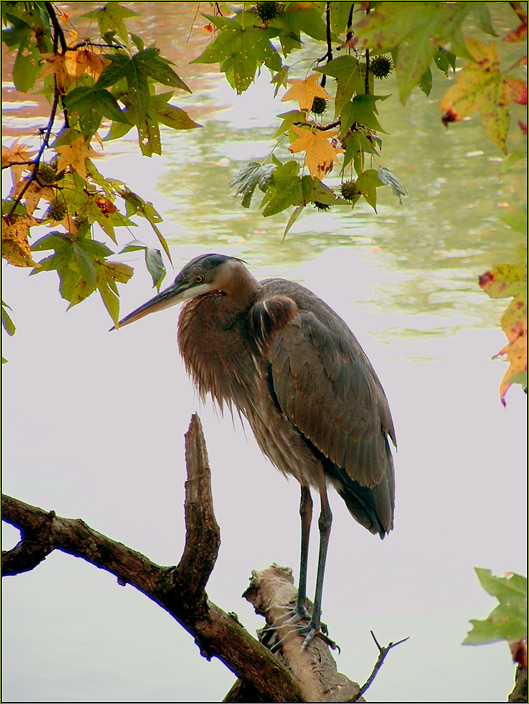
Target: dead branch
273, 595
179, 590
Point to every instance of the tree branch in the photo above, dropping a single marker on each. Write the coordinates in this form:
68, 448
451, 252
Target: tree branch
179, 590
382, 654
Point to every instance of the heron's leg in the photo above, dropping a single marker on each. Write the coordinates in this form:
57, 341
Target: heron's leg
324, 523
305, 511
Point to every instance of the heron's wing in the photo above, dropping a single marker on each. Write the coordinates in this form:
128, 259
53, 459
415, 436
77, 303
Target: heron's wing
323, 381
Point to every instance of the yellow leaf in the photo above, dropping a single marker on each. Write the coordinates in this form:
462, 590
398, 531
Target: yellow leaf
305, 91
56, 66
75, 156
84, 61
320, 153
16, 153
481, 86
516, 355
33, 194
15, 245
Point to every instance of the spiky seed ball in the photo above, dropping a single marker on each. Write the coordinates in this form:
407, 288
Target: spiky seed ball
82, 222
348, 190
267, 11
47, 173
319, 106
381, 66
321, 206
56, 211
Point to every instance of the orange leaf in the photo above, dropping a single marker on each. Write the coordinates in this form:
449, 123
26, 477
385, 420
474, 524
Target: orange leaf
15, 245
481, 86
305, 91
84, 61
15, 153
75, 156
56, 66
33, 194
320, 153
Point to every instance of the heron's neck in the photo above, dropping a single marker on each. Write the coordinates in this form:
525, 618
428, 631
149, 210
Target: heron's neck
214, 343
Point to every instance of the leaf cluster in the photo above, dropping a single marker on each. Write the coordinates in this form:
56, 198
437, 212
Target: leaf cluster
421, 39
335, 133
111, 82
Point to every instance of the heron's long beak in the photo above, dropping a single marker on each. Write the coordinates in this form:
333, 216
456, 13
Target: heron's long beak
170, 297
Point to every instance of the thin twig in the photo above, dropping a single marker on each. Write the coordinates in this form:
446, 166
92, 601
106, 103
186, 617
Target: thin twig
59, 34
328, 54
382, 654
38, 158
350, 32
58, 37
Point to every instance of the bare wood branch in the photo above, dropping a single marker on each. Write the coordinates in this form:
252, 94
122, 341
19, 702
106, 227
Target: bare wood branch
382, 654
179, 590
272, 593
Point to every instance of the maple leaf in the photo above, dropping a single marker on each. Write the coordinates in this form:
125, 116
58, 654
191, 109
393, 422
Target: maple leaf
481, 86
15, 153
33, 194
75, 156
304, 91
349, 77
504, 281
84, 61
416, 29
320, 153
240, 51
56, 66
15, 245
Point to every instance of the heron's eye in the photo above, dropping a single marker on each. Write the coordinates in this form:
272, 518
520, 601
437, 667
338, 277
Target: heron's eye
198, 279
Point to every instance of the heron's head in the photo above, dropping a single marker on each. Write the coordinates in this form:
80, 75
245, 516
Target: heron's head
203, 275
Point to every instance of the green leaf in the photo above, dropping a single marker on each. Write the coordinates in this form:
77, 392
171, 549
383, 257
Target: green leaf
7, 323
133, 71
153, 260
158, 68
25, 70
292, 219
416, 30
92, 104
137, 206
444, 60
286, 189
170, 115
367, 184
108, 275
425, 84
241, 51
362, 110
251, 175
316, 191
18, 34
389, 179
309, 21
111, 17
508, 621
339, 16
481, 14
349, 77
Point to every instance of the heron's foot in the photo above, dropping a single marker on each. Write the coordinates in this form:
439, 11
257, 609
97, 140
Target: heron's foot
316, 630
312, 628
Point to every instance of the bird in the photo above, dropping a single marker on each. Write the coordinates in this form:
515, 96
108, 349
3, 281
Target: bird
280, 356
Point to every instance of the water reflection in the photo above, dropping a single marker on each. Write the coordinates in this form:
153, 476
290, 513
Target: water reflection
446, 232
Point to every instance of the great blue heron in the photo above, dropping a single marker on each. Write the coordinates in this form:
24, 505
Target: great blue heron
285, 360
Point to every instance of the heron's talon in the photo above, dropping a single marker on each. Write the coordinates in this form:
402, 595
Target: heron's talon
312, 631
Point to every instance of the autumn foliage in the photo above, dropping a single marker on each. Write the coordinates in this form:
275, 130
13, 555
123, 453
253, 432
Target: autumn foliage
326, 149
